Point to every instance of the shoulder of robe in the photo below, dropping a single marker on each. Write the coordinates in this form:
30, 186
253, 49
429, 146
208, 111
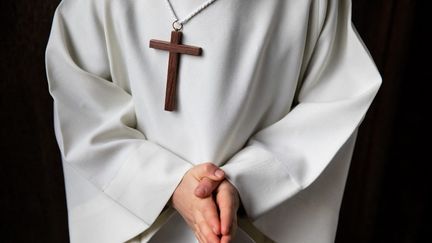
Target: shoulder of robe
79, 7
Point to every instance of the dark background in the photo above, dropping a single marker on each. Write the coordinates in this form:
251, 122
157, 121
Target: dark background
386, 194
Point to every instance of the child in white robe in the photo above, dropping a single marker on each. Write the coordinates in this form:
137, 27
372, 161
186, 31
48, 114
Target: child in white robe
275, 101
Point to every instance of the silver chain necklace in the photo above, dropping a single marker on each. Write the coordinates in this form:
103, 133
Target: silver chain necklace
178, 23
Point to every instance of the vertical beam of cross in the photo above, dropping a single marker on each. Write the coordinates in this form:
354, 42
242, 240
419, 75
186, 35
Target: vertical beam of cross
175, 48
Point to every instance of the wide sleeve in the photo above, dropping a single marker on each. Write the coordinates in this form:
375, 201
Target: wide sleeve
95, 120
336, 90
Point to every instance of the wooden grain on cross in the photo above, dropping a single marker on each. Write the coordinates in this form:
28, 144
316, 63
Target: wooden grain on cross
175, 48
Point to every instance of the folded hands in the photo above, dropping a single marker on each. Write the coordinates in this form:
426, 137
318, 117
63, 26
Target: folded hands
208, 203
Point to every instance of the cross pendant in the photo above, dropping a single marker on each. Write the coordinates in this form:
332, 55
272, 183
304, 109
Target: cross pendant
175, 48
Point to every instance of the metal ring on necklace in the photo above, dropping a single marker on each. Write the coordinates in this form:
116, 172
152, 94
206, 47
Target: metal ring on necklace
177, 26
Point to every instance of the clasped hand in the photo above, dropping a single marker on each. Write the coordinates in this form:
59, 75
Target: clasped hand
208, 203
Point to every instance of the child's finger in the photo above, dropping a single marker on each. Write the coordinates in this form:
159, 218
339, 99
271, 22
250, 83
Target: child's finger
205, 230
206, 187
228, 204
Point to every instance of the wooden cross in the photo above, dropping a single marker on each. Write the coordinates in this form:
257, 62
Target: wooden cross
175, 48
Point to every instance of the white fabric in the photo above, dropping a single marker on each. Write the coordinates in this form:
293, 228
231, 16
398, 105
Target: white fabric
275, 100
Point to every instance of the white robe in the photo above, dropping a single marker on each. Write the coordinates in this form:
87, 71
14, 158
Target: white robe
275, 100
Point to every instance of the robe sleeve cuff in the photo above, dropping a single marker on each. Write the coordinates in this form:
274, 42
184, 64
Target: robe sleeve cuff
259, 178
145, 182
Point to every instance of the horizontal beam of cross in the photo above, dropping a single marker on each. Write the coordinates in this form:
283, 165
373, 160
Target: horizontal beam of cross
178, 48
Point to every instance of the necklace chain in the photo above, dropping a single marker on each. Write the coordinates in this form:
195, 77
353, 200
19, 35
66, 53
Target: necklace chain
187, 18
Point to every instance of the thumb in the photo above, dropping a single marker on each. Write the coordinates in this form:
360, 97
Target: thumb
206, 187
210, 171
